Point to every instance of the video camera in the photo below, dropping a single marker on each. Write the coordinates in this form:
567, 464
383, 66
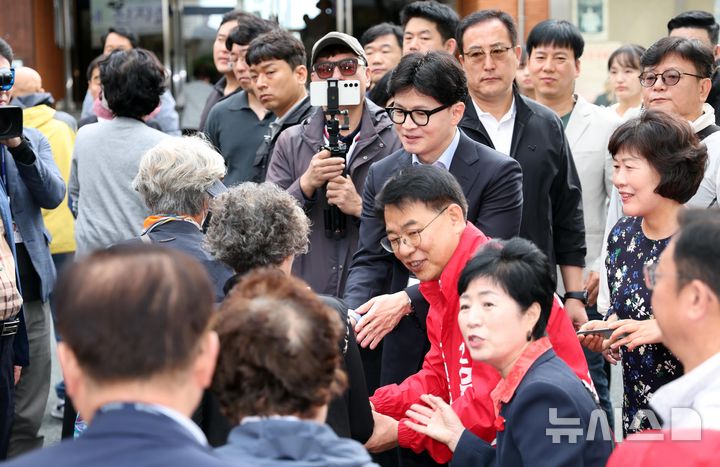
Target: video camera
11, 117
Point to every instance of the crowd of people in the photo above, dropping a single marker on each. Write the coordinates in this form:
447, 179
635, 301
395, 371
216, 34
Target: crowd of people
414, 248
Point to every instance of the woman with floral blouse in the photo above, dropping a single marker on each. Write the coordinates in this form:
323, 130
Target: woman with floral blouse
658, 165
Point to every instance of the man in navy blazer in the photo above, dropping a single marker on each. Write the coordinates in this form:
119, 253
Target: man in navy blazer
32, 181
137, 352
428, 93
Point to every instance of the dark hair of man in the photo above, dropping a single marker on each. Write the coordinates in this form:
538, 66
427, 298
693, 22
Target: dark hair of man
434, 187
627, 56
379, 93
134, 311
235, 15
276, 45
279, 348
521, 270
434, 74
483, 16
557, 33
382, 29
124, 32
697, 248
696, 19
445, 18
133, 81
670, 146
6, 51
688, 49
247, 30
94, 64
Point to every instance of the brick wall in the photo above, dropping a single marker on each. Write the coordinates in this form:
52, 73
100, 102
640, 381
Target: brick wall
535, 10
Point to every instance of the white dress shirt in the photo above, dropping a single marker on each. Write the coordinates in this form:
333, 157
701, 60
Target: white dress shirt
501, 131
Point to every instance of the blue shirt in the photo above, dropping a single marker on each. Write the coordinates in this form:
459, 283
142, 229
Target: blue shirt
446, 157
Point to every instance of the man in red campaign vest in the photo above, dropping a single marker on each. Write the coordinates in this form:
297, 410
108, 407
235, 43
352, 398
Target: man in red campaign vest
425, 211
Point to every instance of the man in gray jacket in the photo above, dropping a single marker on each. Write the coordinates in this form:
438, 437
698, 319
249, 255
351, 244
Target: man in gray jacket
299, 167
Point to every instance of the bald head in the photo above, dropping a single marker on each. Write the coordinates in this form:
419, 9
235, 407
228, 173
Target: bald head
27, 81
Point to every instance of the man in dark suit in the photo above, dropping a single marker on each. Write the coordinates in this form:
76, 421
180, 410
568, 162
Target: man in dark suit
428, 93
137, 353
498, 116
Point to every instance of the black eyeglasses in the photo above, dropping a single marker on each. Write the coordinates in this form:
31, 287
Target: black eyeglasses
419, 117
347, 67
670, 77
412, 238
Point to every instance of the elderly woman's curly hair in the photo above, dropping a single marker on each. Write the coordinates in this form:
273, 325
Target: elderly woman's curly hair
256, 225
279, 352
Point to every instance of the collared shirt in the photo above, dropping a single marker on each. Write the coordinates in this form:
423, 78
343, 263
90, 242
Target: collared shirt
179, 418
446, 157
501, 131
505, 389
698, 390
10, 300
237, 132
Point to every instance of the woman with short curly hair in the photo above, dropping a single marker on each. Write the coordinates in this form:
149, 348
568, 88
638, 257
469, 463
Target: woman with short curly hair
254, 226
257, 225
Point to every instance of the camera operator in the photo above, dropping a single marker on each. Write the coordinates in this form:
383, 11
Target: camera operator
300, 166
32, 181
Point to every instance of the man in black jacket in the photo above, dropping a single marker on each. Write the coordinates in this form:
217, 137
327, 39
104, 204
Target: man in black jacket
497, 115
278, 72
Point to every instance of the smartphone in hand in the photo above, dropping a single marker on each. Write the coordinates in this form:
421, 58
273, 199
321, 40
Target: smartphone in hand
605, 333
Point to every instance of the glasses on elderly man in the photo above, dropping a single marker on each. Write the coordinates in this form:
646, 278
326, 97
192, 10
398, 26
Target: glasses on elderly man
412, 238
496, 53
347, 67
670, 77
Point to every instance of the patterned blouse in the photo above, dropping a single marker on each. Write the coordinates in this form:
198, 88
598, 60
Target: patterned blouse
650, 366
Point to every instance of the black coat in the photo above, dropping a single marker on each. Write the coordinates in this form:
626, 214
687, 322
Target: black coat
262, 159
552, 196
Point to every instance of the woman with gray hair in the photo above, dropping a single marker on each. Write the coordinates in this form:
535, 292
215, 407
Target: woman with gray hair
176, 179
255, 226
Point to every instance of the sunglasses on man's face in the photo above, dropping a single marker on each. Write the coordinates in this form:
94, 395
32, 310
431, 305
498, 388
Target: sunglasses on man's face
347, 67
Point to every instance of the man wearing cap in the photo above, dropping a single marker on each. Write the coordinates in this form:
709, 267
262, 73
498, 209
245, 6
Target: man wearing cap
321, 182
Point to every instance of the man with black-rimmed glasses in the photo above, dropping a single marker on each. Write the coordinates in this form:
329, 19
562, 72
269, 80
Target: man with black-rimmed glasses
427, 92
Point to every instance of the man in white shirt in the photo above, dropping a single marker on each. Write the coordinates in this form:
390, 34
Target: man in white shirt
686, 305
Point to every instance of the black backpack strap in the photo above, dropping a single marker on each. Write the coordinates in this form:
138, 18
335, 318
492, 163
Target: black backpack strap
707, 131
